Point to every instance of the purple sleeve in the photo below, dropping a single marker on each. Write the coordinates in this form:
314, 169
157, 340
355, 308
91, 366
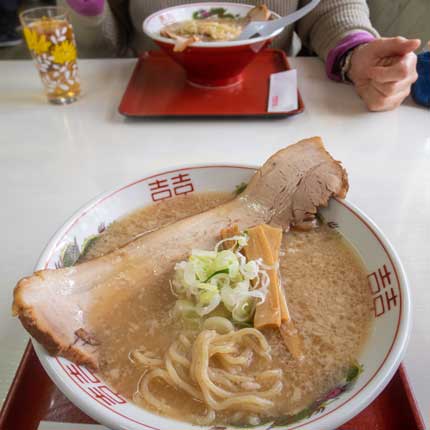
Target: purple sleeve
87, 7
346, 44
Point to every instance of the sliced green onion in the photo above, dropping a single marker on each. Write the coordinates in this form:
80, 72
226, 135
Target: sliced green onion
217, 273
211, 278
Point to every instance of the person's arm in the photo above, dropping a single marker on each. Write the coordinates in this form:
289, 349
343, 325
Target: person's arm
381, 70
96, 30
333, 22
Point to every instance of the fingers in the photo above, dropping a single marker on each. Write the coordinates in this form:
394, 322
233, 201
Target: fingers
391, 103
386, 96
401, 69
377, 103
391, 46
389, 89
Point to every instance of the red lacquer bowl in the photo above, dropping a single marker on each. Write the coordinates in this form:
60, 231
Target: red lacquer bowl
211, 64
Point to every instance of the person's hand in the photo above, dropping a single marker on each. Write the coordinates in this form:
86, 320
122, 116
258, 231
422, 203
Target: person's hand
383, 71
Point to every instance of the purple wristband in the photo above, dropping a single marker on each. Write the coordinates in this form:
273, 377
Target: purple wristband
347, 43
87, 7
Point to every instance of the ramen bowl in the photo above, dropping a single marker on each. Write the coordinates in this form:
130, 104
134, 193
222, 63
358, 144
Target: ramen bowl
213, 64
387, 281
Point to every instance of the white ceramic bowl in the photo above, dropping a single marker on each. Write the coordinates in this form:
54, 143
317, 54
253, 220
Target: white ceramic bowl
387, 281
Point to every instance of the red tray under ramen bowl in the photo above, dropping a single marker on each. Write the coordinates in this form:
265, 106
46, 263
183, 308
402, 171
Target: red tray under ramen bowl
158, 88
378, 362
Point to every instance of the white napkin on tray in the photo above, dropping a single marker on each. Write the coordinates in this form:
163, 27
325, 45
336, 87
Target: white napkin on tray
283, 92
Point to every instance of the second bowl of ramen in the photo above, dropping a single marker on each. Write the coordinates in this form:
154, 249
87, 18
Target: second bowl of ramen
201, 38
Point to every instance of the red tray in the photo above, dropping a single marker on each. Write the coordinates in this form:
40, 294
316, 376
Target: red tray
33, 398
158, 88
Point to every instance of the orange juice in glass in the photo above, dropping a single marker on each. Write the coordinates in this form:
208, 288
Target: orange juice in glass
51, 41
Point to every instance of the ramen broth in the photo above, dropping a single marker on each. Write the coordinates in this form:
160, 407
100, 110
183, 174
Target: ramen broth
328, 298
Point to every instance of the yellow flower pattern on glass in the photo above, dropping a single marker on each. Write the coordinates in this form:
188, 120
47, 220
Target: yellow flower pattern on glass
52, 45
35, 43
64, 52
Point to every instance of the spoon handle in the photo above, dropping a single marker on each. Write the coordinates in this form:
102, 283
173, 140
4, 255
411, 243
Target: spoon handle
265, 28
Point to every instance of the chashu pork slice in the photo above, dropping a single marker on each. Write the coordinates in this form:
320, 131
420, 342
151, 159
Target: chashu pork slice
55, 305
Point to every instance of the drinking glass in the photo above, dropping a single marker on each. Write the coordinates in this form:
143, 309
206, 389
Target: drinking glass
51, 41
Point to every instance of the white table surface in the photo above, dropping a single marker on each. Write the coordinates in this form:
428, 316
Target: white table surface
54, 158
